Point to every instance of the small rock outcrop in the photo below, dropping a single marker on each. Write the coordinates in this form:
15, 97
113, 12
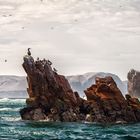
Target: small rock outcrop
107, 103
134, 83
52, 99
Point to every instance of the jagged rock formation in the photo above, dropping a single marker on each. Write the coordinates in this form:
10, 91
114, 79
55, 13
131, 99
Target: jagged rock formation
134, 83
51, 98
50, 95
81, 82
107, 103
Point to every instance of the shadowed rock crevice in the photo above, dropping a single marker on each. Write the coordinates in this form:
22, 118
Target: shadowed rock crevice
52, 99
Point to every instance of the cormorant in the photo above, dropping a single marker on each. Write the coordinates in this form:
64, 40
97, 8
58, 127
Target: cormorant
29, 53
37, 58
44, 61
49, 62
55, 70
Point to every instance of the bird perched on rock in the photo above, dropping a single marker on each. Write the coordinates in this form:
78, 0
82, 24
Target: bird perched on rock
44, 61
49, 62
29, 52
54, 70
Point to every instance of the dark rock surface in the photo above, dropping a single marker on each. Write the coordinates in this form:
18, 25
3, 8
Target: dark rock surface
134, 83
50, 95
52, 99
107, 103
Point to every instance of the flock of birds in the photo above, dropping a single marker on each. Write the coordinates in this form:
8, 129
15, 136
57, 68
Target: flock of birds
29, 53
48, 61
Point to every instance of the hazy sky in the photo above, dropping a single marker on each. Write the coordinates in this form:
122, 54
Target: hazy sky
78, 36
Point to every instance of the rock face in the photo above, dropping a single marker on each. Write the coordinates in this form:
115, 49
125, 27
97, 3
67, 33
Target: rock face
81, 82
52, 99
50, 95
107, 103
134, 83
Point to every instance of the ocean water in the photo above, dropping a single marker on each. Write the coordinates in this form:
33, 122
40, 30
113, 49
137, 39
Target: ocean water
13, 128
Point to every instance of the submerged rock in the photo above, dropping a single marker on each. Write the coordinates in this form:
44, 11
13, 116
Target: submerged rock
134, 83
52, 99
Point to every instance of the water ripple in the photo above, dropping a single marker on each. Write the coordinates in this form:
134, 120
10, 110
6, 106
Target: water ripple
13, 128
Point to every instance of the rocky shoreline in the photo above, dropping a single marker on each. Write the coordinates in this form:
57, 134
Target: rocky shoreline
52, 99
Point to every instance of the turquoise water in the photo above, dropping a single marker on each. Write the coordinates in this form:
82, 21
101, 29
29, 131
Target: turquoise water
13, 128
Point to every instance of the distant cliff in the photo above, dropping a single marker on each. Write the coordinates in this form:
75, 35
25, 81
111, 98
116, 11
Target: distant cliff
13, 86
81, 82
10, 84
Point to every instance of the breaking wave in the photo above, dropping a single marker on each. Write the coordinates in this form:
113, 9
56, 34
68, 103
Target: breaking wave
9, 109
12, 100
12, 127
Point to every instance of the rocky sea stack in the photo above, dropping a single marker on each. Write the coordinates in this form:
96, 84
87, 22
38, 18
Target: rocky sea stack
52, 99
134, 83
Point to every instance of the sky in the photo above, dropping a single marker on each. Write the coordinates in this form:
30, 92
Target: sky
78, 36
